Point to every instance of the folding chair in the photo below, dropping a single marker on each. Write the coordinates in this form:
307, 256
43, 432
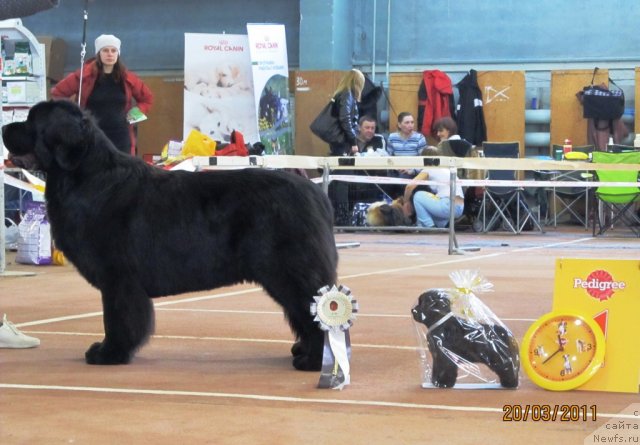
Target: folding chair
504, 200
571, 200
619, 148
616, 204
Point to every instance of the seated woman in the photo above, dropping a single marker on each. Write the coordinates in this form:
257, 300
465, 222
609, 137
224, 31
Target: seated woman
431, 204
406, 142
446, 130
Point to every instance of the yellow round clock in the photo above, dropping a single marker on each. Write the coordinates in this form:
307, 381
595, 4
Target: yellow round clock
562, 351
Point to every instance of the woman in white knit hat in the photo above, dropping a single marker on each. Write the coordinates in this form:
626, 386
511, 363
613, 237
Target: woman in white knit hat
108, 91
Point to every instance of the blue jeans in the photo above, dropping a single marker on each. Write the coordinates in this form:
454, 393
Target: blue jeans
432, 211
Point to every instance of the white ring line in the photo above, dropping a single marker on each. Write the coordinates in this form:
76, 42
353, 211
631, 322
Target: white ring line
546, 246
210, 338
372, 403
465, 259
156, 304
257, 289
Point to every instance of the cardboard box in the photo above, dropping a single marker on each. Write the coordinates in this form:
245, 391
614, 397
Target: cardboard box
55, 53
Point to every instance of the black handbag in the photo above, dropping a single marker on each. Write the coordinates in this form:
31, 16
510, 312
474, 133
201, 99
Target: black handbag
327, 126
602, 103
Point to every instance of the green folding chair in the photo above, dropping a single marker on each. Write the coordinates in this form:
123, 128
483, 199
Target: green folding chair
616, 204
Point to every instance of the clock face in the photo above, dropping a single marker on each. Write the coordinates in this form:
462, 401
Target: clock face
562, 351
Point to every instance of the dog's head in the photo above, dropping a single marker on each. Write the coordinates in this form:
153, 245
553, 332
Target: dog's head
381, 214
432, 306
215, 125
227, 75
55, 134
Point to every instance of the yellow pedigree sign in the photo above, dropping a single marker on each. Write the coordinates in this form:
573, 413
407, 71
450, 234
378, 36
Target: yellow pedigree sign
607, 291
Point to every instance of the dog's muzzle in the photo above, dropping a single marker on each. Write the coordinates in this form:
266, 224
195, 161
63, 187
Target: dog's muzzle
28, 161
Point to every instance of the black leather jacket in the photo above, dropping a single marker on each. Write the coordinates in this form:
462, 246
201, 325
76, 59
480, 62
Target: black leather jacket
348, 118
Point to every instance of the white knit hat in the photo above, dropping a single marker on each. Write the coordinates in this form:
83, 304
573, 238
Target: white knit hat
107, 40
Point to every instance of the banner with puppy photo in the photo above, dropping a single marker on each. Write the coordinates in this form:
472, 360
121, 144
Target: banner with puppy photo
218, 88
268, 47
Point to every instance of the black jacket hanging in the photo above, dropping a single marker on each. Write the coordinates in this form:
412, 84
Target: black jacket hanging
469, 112
368, 105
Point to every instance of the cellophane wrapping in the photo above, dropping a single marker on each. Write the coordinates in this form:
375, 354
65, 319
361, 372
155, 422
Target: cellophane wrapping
461, 342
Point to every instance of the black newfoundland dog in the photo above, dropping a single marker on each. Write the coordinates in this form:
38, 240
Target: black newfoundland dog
137, 232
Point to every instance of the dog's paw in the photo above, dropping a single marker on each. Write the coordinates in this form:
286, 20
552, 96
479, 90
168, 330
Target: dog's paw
307, 362
99, 354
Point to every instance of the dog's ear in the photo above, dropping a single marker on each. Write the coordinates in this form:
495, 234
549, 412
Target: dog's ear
65, 138
235, 71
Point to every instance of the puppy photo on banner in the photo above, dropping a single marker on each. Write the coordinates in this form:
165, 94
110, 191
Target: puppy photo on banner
218, 87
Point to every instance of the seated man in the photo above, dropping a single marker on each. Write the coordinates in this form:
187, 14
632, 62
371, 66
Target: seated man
369, 143
368, 140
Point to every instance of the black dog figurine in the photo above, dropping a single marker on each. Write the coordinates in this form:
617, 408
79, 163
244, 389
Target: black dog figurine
493, 345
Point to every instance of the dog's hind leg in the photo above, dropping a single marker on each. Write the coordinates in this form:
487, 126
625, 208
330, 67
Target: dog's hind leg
128, 321
307, 351
296, 297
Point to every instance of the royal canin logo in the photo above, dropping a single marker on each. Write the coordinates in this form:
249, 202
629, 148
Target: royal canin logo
223, 45
599, 284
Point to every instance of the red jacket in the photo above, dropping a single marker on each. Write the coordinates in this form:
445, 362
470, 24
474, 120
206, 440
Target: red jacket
134, 88
438, 100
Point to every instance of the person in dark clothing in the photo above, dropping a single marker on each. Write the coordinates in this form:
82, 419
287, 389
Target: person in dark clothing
347, 96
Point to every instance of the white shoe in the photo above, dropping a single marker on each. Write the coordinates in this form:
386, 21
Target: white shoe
11, 337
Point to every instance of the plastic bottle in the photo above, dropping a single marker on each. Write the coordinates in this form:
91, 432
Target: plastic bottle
567, 147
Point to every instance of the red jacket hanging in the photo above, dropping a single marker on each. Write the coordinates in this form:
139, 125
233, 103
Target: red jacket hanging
435, 100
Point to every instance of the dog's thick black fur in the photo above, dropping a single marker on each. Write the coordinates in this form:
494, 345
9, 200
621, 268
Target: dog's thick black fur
137, 232
493, 345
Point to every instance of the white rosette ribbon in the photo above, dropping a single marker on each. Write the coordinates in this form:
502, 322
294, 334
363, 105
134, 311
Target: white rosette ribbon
334, 309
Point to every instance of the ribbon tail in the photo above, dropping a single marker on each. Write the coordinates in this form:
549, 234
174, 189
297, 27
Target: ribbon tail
338, 343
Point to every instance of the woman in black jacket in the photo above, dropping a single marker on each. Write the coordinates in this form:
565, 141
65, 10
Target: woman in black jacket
347, 96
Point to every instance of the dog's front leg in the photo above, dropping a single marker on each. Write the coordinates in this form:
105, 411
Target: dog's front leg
445, 372
128, 322
307, 350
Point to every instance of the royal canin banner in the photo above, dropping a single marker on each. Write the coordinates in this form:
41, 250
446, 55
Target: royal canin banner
268, 47
218, 87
